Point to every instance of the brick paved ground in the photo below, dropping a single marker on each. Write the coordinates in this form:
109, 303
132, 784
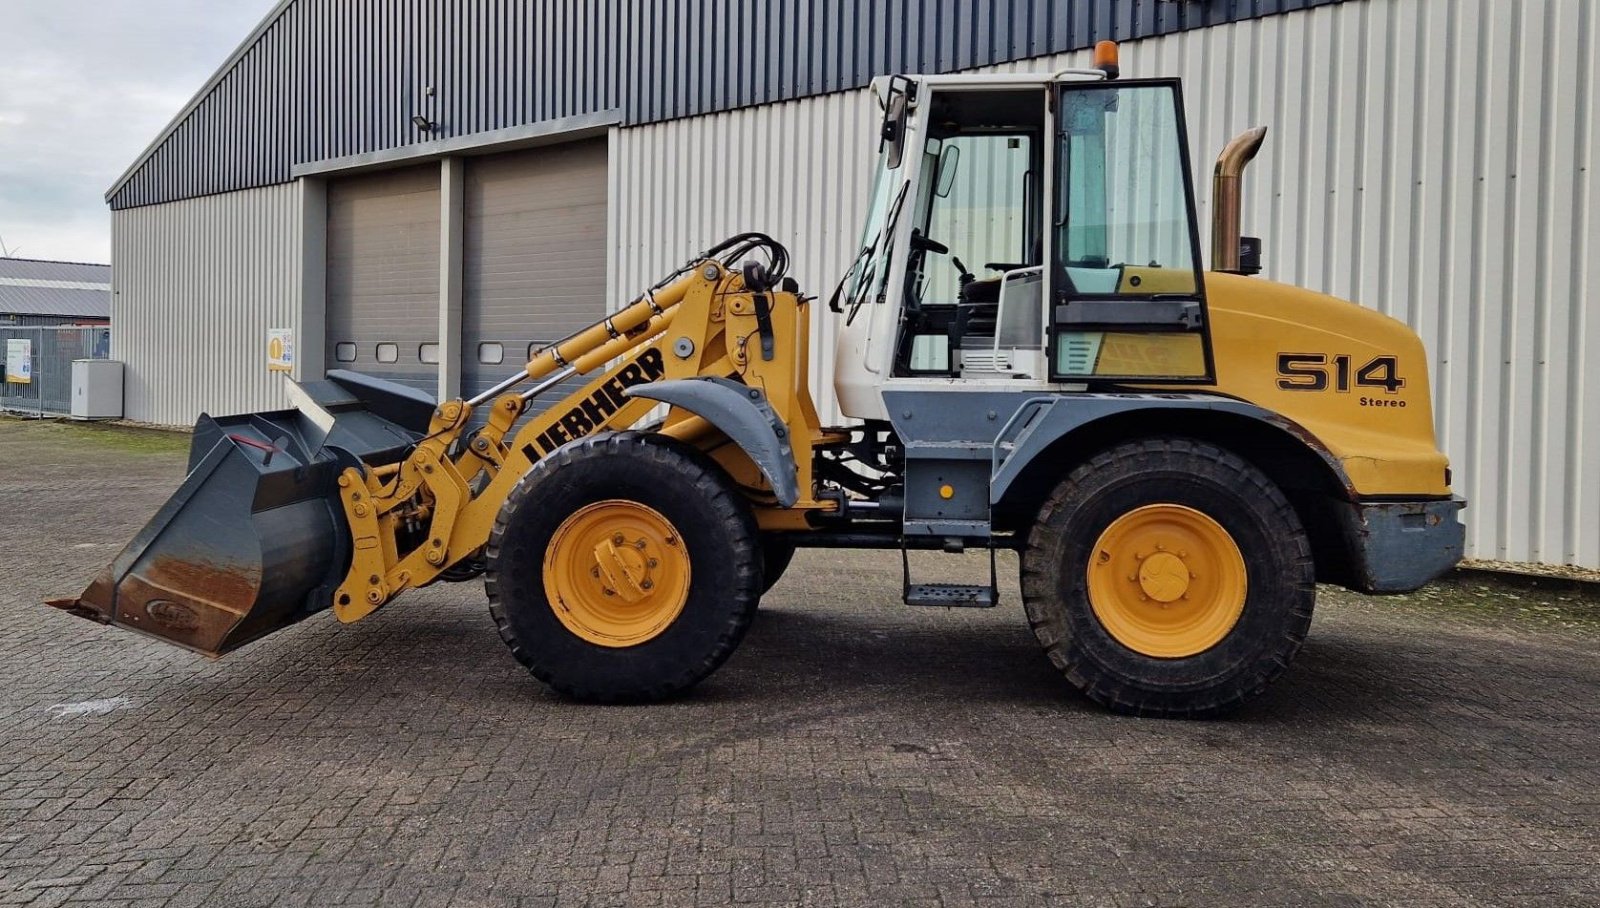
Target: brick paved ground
1436, 750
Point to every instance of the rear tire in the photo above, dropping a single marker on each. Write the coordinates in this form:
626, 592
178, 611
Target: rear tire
1168, 577
642, 619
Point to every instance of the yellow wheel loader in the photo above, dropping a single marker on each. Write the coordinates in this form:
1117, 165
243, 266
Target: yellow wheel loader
1178, 456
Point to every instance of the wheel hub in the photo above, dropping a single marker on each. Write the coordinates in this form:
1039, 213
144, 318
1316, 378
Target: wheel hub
616, 573
1167, 581
1163, 576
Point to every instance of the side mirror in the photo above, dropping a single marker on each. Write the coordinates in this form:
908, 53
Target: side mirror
892, 134
949, 159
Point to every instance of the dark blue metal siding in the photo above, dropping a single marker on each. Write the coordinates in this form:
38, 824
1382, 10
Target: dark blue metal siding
330, 78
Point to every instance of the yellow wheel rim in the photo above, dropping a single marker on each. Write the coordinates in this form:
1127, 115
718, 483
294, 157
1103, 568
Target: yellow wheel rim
616, 573
1167, 581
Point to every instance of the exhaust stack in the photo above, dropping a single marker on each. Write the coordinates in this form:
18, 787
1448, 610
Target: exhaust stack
1226, 198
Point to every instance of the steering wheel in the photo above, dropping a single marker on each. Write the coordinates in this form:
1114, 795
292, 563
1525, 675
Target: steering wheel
922, 243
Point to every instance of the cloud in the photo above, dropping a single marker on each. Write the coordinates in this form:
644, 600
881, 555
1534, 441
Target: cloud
84, 87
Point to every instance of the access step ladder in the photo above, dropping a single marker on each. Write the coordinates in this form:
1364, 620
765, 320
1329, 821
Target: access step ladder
949, 595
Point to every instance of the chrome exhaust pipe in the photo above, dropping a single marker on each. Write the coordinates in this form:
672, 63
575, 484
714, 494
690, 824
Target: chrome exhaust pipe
1226, 197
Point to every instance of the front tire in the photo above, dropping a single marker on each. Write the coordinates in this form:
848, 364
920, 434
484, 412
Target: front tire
1168, 577
625, 567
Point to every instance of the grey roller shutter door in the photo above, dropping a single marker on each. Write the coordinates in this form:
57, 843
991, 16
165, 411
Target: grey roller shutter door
535, 255
383, 275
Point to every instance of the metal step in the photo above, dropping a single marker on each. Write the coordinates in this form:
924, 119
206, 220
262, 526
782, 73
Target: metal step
952, 595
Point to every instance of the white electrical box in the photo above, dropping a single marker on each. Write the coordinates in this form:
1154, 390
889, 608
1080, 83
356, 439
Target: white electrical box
96, 389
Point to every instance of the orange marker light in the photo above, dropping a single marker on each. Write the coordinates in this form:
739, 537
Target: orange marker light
1105, 59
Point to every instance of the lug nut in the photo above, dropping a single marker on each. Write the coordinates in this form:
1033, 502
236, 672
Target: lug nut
647, 585
617, 539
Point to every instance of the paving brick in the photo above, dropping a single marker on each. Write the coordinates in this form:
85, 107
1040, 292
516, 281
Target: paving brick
1436, 749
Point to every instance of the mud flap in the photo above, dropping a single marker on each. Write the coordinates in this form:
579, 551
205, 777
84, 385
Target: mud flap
255, 539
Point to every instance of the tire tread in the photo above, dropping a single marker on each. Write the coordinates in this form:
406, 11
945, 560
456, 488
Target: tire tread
709, 485
1041, 574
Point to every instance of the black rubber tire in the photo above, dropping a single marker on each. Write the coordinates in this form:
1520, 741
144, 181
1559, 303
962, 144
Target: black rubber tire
776, 553
718, 530
1277, 554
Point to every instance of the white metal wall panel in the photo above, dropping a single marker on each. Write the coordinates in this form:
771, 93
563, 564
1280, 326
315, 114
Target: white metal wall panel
1432, 159
800, 171
195, 287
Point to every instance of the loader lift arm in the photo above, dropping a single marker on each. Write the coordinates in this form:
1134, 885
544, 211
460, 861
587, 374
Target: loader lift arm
413, 521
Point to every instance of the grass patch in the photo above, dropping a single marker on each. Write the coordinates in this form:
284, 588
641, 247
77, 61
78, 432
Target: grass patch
127, 439
1498, 600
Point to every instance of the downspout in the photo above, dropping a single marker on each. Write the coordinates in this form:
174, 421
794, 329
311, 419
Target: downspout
1226, 197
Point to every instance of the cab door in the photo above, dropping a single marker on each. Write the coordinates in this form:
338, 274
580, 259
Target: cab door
1128, 298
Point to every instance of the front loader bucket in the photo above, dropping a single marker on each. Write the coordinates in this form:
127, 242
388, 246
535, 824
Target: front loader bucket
255, 539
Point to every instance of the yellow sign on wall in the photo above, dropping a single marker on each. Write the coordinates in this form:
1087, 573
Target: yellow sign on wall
280, 349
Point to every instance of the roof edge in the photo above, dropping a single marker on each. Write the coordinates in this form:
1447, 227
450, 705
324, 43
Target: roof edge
199, 97
539, 132
18, 258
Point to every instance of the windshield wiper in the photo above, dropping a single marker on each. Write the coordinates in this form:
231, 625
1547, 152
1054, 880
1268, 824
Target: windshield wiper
884, 235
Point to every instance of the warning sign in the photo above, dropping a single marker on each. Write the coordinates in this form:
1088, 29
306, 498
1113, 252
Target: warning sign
19, 361
280, 349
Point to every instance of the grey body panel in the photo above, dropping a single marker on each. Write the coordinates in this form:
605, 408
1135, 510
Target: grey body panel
933, 429
534, 250
741, 413
383, 272
1399, 546
1392, 546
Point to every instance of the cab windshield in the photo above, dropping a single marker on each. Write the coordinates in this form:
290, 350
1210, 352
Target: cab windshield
870, 270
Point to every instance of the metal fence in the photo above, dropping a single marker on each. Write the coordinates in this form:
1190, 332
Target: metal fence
42, 385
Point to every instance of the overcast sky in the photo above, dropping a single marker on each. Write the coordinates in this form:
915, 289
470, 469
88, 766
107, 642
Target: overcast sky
85, 85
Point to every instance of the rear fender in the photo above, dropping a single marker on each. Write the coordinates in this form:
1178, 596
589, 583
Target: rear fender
741, 413
1071, 414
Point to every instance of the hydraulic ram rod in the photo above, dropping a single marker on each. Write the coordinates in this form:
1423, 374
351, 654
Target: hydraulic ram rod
608, 333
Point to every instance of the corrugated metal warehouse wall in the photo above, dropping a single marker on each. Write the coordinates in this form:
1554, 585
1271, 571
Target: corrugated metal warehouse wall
330, 78
195, 287
1432, 159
